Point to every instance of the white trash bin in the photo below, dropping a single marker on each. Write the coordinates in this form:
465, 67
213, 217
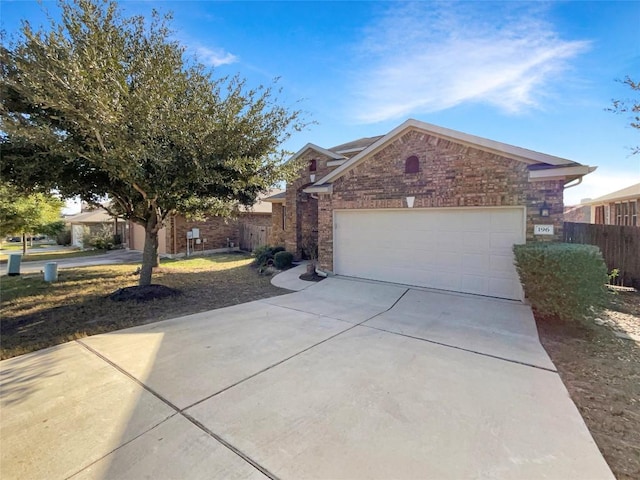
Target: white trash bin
13, 264
51, 272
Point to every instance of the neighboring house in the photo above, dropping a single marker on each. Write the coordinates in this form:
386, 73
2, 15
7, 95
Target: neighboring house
423, 205
92, 221
251, 228
578, 213
617, 208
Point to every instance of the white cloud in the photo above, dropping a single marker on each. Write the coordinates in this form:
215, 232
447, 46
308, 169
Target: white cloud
599, 183
215, 56
427, 57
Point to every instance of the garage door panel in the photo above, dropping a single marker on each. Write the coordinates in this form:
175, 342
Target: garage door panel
504, 240
468, 250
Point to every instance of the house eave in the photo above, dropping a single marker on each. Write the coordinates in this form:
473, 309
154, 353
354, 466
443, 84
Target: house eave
568, 173
336, 163
317, 188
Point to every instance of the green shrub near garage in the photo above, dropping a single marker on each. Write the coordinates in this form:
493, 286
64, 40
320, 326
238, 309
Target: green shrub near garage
282, 260
265, 255
561, 279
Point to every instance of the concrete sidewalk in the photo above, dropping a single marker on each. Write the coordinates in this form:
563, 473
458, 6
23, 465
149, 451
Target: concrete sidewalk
113, 257
343, 379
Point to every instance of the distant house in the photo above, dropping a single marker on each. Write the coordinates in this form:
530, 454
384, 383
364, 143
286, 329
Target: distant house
250, 229
578, 213
91, 221
617, 208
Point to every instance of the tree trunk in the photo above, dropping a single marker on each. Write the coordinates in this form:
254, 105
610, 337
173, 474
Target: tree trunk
24, 243
149, 255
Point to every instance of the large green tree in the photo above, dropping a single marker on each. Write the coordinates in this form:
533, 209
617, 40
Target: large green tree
23, 213
102, 105
630, 107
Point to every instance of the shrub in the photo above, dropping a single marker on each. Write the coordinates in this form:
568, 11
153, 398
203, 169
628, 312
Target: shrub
102, 239
264, 255
282, 260
64, 237
560, 279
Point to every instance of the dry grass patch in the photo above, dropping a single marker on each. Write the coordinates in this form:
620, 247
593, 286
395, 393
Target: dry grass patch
35, 314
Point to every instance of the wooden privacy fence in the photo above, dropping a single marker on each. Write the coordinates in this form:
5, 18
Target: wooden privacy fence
620, 246
253, 236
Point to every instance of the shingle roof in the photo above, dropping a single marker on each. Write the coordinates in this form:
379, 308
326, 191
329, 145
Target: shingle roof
361, 143
93, 216
632, 191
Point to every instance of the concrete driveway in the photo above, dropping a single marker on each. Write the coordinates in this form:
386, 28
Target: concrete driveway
345, 379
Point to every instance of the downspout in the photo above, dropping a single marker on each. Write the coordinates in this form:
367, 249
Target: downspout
575, 184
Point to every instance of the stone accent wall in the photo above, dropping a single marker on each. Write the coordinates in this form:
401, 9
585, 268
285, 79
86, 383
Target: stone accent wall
450, 175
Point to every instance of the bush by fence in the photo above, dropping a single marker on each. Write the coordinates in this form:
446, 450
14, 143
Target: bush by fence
561, 279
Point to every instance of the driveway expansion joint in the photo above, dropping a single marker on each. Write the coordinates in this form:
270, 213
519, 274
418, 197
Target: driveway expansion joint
455, 347
178, 411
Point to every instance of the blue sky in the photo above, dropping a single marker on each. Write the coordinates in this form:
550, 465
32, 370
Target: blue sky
537, 75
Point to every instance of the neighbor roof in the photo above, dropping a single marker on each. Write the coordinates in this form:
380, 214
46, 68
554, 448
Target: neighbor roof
626, 193
277, 198
93, 216
263, 204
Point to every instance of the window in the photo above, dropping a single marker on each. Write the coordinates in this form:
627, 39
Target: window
618, 210
313, 164
625, 213
633, 213
412, 165
599, 214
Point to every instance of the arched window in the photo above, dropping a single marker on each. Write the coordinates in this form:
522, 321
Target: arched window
312, 165
412, 165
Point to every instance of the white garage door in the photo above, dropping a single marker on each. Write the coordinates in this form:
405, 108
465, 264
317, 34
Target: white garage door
465, 250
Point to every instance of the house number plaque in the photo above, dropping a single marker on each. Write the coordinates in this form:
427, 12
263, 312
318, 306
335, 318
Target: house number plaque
543, 229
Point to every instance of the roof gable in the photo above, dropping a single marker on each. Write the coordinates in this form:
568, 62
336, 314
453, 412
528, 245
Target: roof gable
491, 146
316, 148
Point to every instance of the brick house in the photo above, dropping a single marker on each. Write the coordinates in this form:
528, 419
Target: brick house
423, 205
216, 234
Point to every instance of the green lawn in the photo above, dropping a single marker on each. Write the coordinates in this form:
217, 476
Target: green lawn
35, 314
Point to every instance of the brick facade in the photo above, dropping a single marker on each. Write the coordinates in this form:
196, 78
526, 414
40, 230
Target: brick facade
277, 237
450, 175
302, 208
214, 232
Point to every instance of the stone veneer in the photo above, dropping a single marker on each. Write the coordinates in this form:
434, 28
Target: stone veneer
450, 175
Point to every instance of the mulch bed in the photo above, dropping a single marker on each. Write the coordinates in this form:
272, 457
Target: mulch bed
311, 277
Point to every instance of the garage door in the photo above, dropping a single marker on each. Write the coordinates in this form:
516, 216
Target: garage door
464, 250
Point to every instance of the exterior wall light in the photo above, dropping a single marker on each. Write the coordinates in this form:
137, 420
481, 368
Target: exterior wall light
545, 210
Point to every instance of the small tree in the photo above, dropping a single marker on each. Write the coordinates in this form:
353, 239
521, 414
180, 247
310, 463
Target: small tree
630, 107
102, 105
23, 214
